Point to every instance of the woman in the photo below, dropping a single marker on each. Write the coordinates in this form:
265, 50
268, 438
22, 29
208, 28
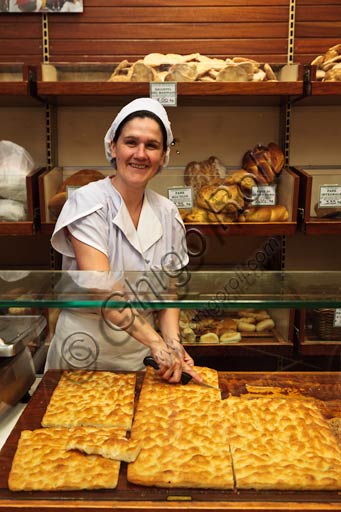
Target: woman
116, 224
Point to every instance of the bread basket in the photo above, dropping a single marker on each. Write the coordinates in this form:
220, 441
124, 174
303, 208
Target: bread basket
323, 324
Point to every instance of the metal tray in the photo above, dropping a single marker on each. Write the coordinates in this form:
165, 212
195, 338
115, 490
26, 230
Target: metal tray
17, 330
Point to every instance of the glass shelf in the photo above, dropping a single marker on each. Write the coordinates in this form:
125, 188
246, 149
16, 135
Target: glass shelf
209, 290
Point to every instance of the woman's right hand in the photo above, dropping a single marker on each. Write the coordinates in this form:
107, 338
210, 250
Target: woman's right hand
173, 361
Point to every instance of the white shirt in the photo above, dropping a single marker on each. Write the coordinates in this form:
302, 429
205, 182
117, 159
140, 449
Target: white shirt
97, 215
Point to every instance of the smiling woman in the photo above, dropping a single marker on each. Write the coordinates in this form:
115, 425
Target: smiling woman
117, 224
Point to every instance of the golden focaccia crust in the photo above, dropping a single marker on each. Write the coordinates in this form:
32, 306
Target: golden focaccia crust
104, 399
281, 443
42, 463
183, 444
113, 447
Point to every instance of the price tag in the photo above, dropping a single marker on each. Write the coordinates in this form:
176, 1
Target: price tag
263, 195
337, 318
164, 92
70, 190
181, 196
330, 196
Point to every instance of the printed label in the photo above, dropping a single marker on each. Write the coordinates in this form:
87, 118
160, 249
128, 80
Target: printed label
330, 196
263, 195
181, 196
164, 92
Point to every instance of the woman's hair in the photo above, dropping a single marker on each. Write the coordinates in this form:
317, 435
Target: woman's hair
142, 114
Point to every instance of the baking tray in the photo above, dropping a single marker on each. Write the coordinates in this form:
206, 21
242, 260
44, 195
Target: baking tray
326, 386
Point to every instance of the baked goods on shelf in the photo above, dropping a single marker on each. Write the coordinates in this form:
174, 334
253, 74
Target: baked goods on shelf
78, 179
221, 197
230, 327
329, 65
173, 67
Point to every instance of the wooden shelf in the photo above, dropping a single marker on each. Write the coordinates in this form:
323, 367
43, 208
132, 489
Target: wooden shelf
189, 93
322, 227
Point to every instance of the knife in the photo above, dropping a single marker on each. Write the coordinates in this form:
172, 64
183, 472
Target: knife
185, 377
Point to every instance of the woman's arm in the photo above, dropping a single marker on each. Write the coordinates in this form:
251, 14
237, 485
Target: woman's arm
170, 332
170, 357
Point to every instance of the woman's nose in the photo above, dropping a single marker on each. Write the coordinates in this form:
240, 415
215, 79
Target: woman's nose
140, 151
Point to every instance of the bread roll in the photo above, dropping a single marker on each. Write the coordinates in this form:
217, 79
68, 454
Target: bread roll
209, 337
265, 325
188, 335
246, 327
230, 337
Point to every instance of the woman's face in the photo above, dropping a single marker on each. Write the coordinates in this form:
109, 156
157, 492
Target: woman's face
138, 151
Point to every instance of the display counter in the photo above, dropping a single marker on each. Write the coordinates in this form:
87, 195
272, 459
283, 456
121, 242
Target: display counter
325, 387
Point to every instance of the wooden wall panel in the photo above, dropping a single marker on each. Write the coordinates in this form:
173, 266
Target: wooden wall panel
109, 32
318, 27
20, 38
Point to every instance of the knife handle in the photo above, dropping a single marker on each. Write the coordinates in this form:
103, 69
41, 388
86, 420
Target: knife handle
149, 361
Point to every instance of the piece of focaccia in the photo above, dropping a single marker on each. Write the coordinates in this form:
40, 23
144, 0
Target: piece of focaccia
42, 463
281, 443
98, 443
100, 399
183, 444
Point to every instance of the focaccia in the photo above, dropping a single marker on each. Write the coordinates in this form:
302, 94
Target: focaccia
100, 399
183, 444
42, 462
281, 443
113, 447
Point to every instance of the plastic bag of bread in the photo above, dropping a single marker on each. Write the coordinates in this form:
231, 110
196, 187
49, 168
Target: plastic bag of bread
77, 179
15, 164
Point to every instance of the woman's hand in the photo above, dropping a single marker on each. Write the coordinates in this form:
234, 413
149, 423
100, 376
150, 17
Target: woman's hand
173, 359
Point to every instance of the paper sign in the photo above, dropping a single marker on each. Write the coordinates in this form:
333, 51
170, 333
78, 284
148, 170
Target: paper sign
330, 196
181, 196
337, 318
263, 195
164, 92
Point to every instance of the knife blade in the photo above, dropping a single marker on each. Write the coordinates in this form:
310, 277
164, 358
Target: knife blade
185, 377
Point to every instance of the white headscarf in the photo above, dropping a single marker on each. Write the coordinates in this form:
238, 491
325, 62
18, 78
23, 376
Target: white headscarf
148, 104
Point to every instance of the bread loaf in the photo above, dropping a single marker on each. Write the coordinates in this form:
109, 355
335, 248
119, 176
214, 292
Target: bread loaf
221, 198
264, 162
276, 213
